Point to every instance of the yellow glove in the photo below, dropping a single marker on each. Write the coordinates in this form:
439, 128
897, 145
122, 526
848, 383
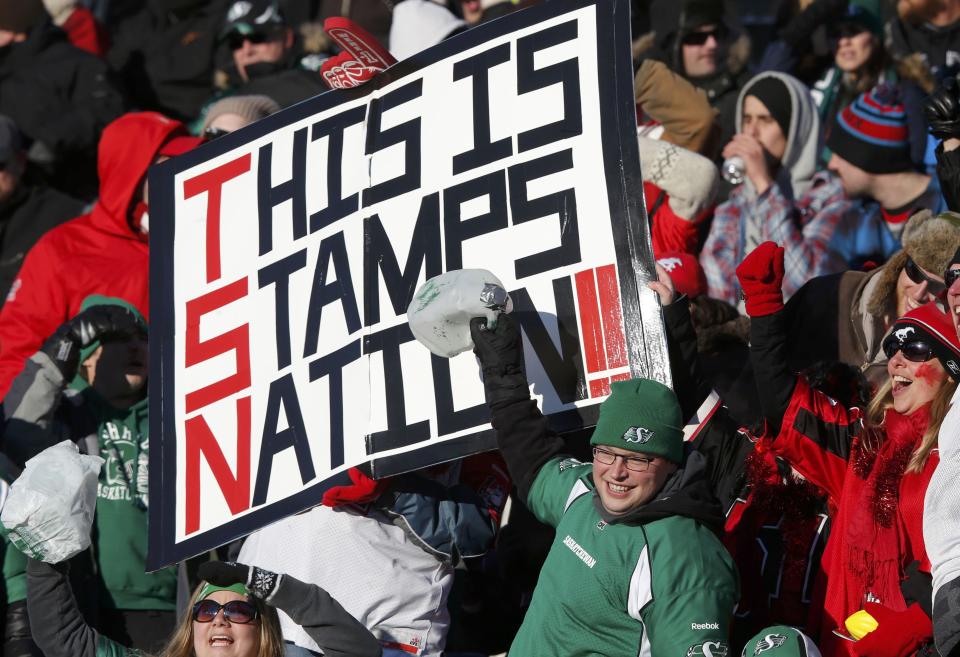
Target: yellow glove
860, 623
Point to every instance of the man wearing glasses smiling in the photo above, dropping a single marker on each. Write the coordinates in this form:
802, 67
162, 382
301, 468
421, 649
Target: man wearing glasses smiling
636, 565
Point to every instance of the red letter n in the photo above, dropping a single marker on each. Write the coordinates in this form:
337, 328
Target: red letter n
235, 489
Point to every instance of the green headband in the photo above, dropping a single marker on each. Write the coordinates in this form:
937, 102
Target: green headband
209, 588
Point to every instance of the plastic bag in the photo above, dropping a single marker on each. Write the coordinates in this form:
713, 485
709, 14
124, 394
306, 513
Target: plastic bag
441, 310
49, 511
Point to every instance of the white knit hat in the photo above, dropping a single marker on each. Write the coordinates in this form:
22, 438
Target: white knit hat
419, 24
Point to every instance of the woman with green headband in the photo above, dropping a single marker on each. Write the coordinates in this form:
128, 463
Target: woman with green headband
232, 614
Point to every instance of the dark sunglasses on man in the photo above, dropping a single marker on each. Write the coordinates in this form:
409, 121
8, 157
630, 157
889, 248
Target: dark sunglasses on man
235, 39
235, 611
918, 276
950, 277
917, 350
700, 38
209, 134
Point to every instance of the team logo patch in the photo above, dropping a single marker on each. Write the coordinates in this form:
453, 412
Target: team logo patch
637, 435
709, 649
238, 10
769, 642
670, 263
904, 333
566, 464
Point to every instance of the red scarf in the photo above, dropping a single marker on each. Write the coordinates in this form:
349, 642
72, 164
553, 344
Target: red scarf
873, 542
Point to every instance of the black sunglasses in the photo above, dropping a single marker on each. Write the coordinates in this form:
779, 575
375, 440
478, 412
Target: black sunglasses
235, 40
235, 611
917, 275
917, 351
950, 277
700, 38
214, 133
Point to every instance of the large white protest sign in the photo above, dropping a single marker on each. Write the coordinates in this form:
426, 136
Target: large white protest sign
284, 257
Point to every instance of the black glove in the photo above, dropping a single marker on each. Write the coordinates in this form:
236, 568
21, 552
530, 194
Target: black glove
917, 586
500, 350
501, 358
261, 583
942, 110
94, 323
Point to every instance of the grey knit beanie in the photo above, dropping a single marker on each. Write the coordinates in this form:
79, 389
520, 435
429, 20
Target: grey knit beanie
252, 107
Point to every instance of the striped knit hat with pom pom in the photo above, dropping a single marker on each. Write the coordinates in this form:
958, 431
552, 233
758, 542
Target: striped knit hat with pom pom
871, 132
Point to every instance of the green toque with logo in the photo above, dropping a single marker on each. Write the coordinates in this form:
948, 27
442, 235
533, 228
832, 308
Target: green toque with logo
643, 416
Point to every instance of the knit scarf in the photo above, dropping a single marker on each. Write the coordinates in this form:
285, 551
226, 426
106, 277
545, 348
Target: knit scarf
872, 536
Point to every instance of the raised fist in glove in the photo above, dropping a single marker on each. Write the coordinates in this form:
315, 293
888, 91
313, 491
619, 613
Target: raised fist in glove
898, 633
761, 279
89, 326
363, 490
500, 351
942, 110
259, 582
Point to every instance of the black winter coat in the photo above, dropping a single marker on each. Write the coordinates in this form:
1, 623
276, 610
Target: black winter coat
60, 96
166, 63
287, 87
24, 218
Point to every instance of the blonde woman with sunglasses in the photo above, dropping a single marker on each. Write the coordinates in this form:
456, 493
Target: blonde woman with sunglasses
232, 614
875, 466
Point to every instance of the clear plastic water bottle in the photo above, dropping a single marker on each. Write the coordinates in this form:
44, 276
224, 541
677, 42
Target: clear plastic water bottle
734, 169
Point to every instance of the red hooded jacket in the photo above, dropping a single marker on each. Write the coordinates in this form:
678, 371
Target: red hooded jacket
96, 253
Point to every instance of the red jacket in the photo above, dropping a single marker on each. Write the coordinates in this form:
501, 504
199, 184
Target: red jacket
96, 253
670, 232
877, 529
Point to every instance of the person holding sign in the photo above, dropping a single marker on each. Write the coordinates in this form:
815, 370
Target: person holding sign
636, 560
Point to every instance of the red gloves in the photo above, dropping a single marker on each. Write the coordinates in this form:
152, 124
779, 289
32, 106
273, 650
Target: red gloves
363, 490
761, 279
898, 633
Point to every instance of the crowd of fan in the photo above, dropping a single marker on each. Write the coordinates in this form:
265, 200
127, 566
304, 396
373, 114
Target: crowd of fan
801, 175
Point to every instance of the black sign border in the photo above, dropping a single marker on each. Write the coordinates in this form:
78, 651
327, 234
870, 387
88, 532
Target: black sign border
629, 225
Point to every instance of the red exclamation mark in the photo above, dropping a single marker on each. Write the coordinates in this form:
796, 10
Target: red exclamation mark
601, 323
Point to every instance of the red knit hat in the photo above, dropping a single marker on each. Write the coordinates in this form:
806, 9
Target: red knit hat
685, 272
938, 328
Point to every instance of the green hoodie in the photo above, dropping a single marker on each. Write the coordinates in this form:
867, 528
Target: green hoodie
120, 525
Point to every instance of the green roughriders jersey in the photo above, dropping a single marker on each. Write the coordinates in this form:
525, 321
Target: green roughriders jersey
662, 588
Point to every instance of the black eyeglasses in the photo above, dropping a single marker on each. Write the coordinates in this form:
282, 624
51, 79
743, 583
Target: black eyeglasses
214, 133
235, 40
635, 463
950, 277
917, 351
700, 38
235, 611
917, 275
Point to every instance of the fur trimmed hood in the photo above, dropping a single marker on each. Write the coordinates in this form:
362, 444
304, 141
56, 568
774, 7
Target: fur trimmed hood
930, 241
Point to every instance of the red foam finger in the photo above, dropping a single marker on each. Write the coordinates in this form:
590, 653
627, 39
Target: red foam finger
355, 40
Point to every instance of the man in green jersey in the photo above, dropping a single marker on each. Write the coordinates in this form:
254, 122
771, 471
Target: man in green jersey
636, 567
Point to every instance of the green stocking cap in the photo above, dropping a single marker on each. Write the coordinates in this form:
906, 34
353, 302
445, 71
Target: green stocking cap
643, 416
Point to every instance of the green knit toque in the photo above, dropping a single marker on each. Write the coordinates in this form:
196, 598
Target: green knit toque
643, 416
